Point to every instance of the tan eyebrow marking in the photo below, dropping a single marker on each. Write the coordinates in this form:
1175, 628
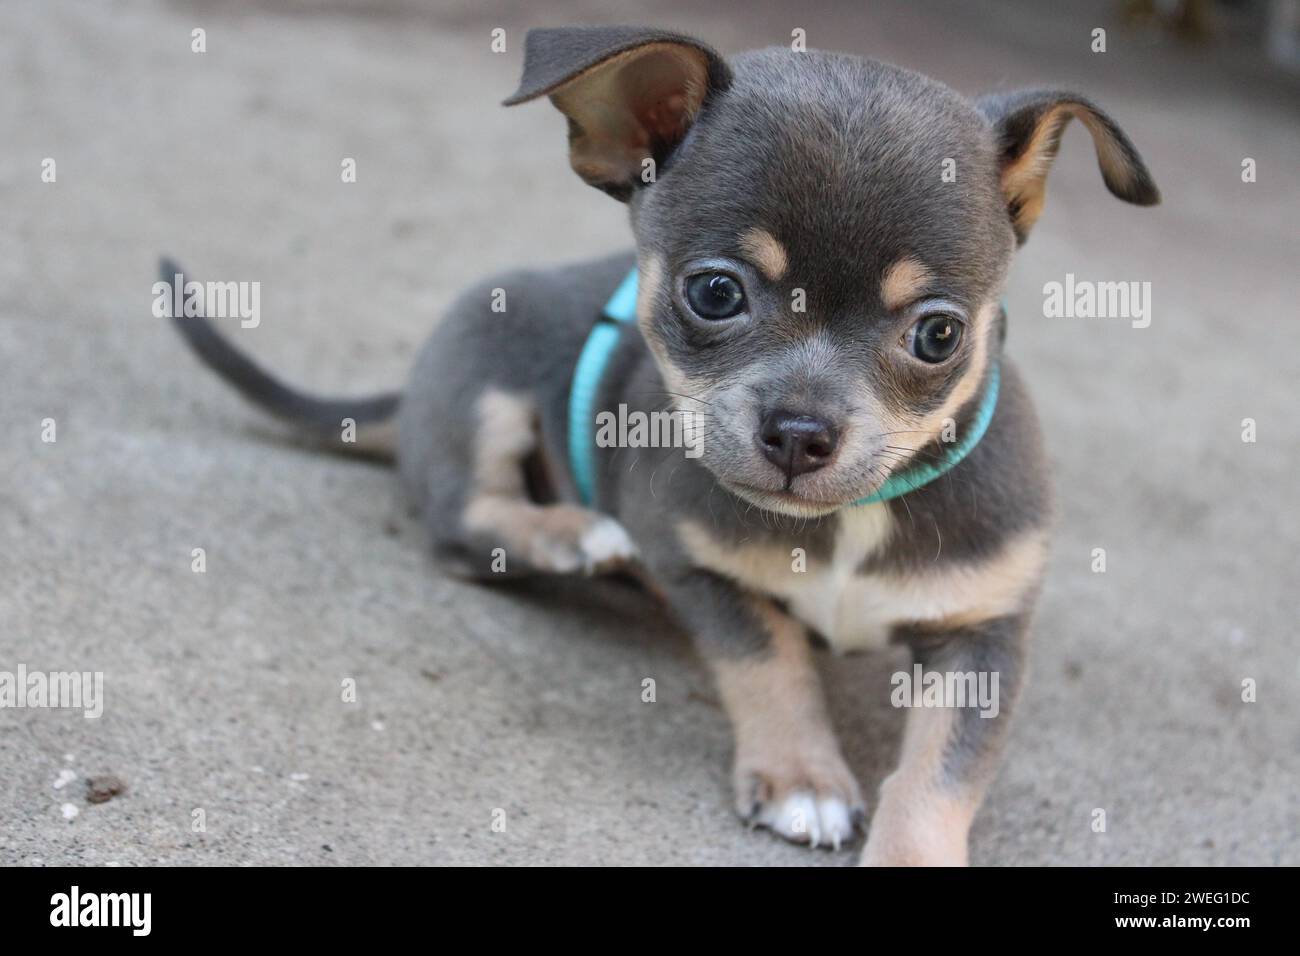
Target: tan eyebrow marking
903, 282
768, 254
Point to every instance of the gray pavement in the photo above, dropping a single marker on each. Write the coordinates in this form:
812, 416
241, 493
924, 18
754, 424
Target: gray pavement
222, 689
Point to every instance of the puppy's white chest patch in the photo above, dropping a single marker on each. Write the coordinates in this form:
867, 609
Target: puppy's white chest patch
852, 615
852, 611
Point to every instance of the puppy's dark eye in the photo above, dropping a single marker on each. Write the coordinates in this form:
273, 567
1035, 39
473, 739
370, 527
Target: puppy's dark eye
934, 338
715, 295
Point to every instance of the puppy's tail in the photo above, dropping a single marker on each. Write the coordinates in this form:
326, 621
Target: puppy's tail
356, 426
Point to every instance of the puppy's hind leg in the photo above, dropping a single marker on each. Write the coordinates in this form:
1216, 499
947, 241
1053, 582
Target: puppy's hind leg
499, 530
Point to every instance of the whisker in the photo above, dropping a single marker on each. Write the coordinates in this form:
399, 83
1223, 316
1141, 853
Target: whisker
693, 398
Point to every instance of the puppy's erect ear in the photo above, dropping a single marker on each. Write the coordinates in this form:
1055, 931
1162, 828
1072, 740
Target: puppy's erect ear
629, 93
1028, 127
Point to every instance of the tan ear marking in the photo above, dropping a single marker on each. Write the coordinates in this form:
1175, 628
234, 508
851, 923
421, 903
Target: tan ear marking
626, 106
766, 252
1024, 179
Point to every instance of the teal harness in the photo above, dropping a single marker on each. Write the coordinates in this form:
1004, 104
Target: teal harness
620, 310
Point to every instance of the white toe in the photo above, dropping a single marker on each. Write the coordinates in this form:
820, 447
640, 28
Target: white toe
606, 541
805, 818
836, 820
794, 817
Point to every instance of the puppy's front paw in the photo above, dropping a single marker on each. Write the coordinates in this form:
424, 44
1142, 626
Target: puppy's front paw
917, 824
812, 802
566, 539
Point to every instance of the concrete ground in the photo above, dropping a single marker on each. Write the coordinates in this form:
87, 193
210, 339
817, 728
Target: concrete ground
223, 689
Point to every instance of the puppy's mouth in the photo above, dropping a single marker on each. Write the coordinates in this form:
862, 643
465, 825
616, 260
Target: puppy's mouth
783, 502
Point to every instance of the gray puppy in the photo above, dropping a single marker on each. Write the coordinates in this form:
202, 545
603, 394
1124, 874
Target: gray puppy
821, 244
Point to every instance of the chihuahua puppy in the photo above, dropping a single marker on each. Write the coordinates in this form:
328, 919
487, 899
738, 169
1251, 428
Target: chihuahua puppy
821, 245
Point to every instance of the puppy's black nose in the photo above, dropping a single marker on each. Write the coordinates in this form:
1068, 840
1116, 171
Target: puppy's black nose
796, 443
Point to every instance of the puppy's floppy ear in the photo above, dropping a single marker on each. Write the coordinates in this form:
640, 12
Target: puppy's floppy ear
1028, 127
629, 93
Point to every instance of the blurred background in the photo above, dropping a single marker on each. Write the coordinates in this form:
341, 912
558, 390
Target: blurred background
223, 688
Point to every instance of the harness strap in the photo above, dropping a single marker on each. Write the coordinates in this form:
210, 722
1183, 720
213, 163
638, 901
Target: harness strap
619, 310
